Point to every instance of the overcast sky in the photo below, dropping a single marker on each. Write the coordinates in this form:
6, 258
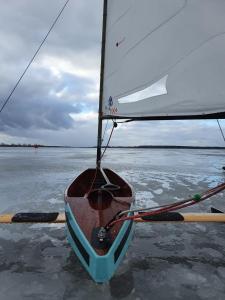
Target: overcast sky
57, 100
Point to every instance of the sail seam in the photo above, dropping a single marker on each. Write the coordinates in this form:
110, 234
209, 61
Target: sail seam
119, 18
147, 35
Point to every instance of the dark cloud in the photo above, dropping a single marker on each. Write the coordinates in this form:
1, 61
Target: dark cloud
24, 23
35, 104
44, 100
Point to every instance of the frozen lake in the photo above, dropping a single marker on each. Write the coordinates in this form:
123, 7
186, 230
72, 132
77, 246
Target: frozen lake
163, 262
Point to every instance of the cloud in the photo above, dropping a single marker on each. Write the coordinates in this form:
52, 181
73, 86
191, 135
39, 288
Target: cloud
57, 101
37, 103
62, 81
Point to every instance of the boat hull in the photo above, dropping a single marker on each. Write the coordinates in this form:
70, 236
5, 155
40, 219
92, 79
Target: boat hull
101, 264
100, 268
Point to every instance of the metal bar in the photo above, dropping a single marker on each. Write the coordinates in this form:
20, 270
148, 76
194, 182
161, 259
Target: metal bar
99, 139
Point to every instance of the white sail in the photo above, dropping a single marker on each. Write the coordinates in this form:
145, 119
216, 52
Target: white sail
164, 59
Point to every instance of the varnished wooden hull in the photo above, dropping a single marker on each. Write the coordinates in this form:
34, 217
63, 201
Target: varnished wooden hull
88, 209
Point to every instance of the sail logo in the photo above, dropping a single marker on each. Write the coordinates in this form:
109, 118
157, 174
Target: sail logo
112, 109
110, 101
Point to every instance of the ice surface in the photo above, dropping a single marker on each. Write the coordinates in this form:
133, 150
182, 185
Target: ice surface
163, 262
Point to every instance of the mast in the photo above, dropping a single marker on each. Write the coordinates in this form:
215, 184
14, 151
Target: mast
99, 139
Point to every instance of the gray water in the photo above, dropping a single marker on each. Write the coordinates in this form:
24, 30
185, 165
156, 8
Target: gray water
184, 261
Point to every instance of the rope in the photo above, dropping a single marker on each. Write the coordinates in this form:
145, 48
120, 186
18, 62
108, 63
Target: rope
33, 57
92, 183
170, 207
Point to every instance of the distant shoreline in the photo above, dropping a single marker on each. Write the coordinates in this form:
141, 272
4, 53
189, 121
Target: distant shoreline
116, 147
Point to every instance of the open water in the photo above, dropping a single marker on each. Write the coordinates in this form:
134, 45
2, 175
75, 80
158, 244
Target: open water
185, 261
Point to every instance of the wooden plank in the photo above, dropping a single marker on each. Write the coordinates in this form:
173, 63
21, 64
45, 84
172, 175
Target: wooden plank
6, 219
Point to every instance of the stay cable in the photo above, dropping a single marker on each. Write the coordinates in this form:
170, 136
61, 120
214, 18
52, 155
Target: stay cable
33, 57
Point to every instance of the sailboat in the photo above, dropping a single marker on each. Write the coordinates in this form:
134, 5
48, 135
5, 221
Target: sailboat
147, 45
160, 60
93, 200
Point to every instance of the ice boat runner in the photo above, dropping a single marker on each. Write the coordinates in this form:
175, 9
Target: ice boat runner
161, 60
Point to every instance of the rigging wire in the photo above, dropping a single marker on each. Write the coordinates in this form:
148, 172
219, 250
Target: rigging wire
221, 130
115, 124
33, 57
107, 145
103, 136
96, 170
